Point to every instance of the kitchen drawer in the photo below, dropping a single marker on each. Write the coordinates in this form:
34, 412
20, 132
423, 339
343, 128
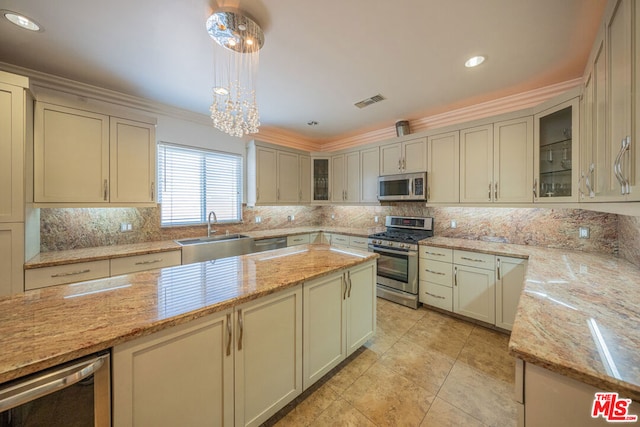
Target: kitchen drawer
474, 259
436, 272
436, 254
339, 239
299, 239
60, 274
358, 242
131, 264
436, 295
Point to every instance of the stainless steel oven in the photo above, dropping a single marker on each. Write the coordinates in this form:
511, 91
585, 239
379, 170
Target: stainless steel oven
397, 274
76, 394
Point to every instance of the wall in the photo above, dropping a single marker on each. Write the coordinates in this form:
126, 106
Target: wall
557, 228
629, 238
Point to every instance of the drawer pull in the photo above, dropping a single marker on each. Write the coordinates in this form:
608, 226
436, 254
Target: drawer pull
434, 295
154, 261
434, 253
71, 273
472, 259
434, 272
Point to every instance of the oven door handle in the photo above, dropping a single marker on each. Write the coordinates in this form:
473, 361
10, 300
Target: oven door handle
34, 388
390, 251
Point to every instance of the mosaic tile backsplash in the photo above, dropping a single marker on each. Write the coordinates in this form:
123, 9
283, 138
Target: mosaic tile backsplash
556, 228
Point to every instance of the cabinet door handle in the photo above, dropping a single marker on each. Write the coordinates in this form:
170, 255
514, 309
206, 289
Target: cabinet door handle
300, 195
472, 259
278, 194
428, 193
434, 295
229, 335
106, 190
257, 193
344, 283
496, 192
241, 325
349, 280
455, 276
71, 273
489, 191
399, 164
434, 253
153, 191
535, 188
587, 181
154, 261
404, 163
434, 272
626, 144
498, 265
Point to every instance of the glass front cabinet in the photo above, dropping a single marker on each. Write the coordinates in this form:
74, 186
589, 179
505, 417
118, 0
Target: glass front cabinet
321, 174
556, 132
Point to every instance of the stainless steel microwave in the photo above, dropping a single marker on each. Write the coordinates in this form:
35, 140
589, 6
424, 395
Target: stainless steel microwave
408, 186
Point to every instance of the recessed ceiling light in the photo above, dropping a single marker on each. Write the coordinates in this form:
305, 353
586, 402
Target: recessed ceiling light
312, 123
21, 20
474, 61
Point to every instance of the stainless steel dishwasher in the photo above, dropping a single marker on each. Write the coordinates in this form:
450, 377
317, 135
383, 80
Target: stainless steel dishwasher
269, 244
77, 393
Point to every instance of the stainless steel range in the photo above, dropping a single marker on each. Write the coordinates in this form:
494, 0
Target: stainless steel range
398, 262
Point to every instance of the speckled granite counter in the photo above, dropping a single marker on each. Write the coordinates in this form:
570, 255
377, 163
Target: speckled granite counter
578, 315
45, 327
48, 259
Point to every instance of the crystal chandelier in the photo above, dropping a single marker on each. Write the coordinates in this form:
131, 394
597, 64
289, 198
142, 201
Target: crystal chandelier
234, 109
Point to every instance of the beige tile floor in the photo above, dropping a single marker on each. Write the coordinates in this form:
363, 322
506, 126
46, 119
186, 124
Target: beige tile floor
422, 368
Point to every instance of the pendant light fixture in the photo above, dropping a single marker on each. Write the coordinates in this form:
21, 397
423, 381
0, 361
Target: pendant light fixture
239, 38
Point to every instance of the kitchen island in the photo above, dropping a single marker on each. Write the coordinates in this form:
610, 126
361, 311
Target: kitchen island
45, 327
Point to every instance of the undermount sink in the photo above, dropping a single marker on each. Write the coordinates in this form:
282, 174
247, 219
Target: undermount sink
209, 248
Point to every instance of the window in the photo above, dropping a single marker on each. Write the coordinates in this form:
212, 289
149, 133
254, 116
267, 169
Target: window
193, 182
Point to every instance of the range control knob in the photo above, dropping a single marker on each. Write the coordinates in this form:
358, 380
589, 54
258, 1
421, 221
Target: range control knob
402, 245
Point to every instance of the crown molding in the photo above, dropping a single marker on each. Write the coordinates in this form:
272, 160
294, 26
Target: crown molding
285, 138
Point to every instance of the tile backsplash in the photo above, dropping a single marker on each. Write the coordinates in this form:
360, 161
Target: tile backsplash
557, 228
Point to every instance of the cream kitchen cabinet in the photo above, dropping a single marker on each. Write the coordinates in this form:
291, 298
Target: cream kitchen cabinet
510, 274
268, 355
320, 237
345, 178
404, 157
435, 276
321, 179
82, 158
11, 258
369, 172
135, 263
276, 176
355, 242
496, 162
339, 240
180, 376
339, 317
443, 170
611, 160
556, 157
474, 292
298, 239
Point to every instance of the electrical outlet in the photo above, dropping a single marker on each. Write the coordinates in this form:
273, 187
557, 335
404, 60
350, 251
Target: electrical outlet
454, 223
258, 219
291, 218
125, 226
583, 232
375, 219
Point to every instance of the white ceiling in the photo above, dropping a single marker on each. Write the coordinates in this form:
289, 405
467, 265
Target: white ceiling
319, 57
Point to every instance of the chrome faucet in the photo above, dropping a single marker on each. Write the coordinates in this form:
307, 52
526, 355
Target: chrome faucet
215, 219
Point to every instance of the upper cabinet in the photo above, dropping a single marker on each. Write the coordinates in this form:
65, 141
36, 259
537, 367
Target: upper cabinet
83, 158
404, 157
369, 172
556, 161
321, 176
496, 162
610, 157
276, 176
12, 146
345, 178
443, 171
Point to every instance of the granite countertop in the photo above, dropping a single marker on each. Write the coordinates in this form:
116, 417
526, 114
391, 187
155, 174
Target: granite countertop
49, 259
578, 313
45, 327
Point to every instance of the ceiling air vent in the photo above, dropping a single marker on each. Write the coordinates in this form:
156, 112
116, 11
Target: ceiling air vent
369, 101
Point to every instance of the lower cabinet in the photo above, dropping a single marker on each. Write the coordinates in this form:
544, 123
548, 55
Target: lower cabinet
268, 355
11, 258
339, 317
298, 239
182, 376
477, 285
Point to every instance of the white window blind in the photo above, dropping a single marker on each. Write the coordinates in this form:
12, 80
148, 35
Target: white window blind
193, 182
